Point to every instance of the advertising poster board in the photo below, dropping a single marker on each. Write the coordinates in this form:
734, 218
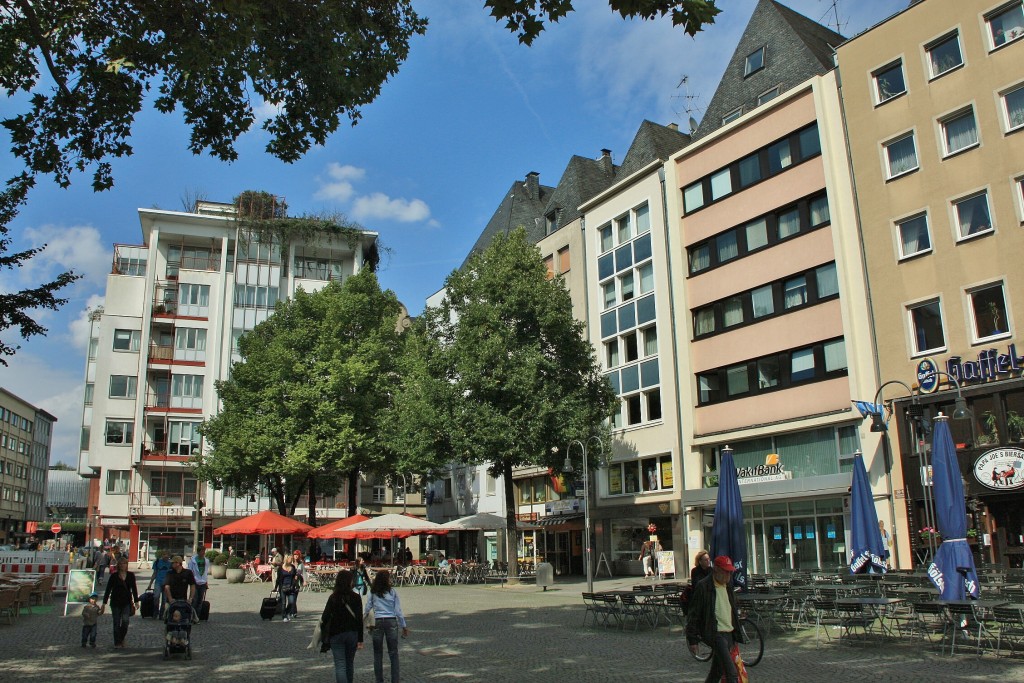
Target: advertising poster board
666, 563
80, 585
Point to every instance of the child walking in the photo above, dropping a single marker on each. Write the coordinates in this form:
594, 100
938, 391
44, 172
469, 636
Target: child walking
90, 615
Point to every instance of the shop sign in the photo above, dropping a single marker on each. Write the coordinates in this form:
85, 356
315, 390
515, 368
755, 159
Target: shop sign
762, 473
927, 377
562, 507
1001, 469
989, 365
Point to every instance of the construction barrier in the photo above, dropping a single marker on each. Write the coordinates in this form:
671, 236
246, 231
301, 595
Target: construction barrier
27, 563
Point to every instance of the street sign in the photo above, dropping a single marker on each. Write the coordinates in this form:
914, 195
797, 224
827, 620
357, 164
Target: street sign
55, 528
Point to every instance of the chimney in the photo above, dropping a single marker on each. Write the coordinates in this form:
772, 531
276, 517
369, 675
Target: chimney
673, 126
533, 185
606, 160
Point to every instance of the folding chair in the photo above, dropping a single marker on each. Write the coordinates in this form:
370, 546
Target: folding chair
825, 615
632, 608
1011, 627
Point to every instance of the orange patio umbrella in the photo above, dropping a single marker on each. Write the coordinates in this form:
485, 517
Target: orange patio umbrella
264, 523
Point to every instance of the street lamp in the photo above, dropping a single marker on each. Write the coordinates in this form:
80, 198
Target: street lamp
198, 505
567, 467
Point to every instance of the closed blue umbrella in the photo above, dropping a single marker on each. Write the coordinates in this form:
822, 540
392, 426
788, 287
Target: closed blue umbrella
952, 571
728, 536
868, 550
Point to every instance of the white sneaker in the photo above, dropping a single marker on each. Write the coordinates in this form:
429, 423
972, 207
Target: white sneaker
287, 619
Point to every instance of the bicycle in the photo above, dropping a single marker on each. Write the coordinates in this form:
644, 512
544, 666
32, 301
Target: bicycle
751, 644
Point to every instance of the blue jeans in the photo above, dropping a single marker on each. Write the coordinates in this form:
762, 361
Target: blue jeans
198, 598
121, 616
721, 660
385, 628
343, 647
290, 604
89, 633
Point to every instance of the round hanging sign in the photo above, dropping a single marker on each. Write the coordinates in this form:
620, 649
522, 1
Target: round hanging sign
1001, 469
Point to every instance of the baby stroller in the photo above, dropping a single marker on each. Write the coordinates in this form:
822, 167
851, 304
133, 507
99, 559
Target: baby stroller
178, 629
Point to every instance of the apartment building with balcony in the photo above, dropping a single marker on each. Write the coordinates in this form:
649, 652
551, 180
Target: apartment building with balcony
933, 100
174, 308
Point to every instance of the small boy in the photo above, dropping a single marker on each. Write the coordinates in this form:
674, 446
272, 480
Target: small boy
90, 615
178, 635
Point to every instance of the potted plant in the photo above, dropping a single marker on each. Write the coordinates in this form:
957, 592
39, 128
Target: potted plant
218, 565
234, 572
928, 533
1015, 426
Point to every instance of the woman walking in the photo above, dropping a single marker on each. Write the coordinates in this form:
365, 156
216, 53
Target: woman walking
123, 595
389, 618
342, 626
362, 580
288, 582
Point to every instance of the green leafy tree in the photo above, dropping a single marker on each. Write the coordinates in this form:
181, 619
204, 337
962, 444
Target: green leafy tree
301, 409
80, 71
502, 371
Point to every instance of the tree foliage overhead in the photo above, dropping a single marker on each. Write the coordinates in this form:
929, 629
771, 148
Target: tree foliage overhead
527, 17
81, 70
306, 399
501, 372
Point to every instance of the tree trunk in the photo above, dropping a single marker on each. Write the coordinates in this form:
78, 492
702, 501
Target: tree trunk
353, 507
277, 491
511, 528
311, 515
294, 501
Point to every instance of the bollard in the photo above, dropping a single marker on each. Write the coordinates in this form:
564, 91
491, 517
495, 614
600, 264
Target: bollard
545, 574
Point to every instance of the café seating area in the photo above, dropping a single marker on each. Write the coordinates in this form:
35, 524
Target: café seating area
18, 592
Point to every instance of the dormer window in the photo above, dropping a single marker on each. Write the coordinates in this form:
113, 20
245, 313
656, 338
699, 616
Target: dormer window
768, 95
754, 62
551, 222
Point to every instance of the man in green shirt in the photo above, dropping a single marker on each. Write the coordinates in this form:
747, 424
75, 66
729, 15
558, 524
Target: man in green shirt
713, 618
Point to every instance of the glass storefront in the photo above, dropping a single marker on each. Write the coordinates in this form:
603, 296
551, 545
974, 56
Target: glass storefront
799, 535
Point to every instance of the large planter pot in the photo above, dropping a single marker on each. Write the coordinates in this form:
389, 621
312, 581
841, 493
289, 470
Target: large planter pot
235, 575
218, 571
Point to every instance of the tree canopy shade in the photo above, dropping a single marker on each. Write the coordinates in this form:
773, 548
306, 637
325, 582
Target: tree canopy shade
88, 67
304, 403
504, 372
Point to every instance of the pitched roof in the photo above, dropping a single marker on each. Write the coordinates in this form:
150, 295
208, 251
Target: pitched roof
582, 179
522, 205
796, 48
652, 141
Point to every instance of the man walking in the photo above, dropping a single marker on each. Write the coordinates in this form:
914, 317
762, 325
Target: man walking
200, 569
713, 618
179, 584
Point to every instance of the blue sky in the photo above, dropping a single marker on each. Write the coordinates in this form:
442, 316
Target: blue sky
470, 112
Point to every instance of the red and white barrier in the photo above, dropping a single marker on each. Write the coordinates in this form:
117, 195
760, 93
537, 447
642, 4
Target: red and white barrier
38, 564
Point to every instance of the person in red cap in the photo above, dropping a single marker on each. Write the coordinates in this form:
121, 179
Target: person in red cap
713, 618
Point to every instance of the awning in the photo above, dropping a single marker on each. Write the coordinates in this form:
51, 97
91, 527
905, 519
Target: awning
560, 520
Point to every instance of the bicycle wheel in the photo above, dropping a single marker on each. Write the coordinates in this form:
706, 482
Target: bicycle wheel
703, 652
752, 649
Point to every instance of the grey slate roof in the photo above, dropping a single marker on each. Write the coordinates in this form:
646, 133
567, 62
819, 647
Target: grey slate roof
652, 141
582, 179
797, 49
523, 205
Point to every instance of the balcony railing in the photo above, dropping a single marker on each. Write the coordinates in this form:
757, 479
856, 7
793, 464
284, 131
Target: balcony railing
158, 399
159, 352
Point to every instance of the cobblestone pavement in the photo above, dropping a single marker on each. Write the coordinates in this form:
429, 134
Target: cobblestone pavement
486, 633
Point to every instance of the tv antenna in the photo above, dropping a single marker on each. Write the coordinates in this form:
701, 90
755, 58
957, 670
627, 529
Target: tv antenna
833, 9
692, 103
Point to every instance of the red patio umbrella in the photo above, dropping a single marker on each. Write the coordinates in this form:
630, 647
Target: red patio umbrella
263, 523
332, 530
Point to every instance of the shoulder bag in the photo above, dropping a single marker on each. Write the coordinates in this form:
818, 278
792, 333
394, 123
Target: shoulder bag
369, 618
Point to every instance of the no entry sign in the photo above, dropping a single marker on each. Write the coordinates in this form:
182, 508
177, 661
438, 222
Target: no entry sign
55, 528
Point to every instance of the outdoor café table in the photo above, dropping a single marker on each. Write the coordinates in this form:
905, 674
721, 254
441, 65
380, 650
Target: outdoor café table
875, 606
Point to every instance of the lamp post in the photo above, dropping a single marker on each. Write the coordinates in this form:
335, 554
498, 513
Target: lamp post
198, 521
915, 411
878, 425
567, 467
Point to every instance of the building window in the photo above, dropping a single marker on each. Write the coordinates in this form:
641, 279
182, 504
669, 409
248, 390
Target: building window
835, 355
607, 239
827, 280
83, 442
726, 246
379, 494
622, 229
643, 219
646, 275
608, 289
754, 61
972, 215
123, 386
900, 156
563, 260
926, 327
693, 197
721, 184
913, 236
819, 211
117, 481
944, 55
768, 372
988, 311
184, 438
959, 132
700, 258
749, 170
768, 95
119, 432
762, 301
732, 116
802, 365
89, 389
127, 340
789, 223
626, 286
1013, 108
186, 391
1006, 25
703, 321
889, 82
248, 296
549, 267
794, 292
779, 156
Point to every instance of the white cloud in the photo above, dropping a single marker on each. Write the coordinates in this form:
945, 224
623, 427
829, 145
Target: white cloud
339, 187
78, 329
379, 205
78, 247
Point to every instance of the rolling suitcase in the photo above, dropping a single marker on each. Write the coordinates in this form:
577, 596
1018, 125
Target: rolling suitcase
147, 605
270, 606
204, 610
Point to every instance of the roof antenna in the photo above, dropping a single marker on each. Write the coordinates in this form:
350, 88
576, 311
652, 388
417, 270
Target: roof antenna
833, 9
691, 103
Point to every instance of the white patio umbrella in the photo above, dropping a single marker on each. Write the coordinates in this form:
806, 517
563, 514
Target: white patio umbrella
391, 525
481, 521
